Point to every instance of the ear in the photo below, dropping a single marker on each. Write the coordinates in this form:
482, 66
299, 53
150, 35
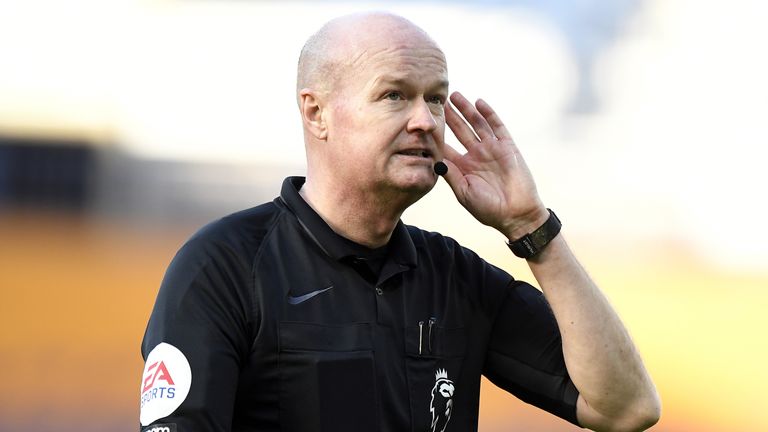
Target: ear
313, 113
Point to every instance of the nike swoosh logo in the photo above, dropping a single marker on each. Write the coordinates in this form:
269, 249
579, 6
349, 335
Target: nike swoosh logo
302, 298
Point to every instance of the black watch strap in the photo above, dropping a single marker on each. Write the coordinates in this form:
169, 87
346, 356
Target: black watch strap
531, 244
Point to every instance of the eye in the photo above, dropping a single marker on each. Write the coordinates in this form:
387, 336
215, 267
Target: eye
436, 99
393, 96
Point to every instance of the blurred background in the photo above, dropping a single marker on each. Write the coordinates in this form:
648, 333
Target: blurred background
126, 125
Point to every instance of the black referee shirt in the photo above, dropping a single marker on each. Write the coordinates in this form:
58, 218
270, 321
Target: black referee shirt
267, 320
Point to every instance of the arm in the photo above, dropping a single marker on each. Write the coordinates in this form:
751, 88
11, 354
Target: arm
197, 313
493, 182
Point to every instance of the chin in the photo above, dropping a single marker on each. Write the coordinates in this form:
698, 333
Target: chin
416, 183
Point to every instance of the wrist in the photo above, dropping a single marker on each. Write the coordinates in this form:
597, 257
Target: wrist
526, 225
530, 244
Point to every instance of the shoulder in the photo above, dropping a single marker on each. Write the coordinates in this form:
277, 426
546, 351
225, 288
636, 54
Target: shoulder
481, 283
234, 238
245, 225
216, 262
447, 254
205, 292
243, 229
430, 239
440, 246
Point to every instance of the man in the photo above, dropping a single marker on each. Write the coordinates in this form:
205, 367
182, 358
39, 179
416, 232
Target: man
321, 311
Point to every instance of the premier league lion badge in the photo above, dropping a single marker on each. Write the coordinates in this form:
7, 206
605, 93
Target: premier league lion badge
441, 404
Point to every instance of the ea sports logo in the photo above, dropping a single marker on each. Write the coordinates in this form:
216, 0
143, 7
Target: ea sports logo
165, 384
156, 371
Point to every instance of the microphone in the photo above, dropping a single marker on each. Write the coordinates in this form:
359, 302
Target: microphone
441, 168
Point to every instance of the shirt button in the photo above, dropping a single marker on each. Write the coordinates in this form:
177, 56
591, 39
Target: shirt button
379, 291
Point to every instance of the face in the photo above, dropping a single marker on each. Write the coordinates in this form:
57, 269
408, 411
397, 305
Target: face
386, 119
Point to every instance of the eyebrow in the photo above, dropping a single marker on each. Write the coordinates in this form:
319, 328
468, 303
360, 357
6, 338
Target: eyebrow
400, 81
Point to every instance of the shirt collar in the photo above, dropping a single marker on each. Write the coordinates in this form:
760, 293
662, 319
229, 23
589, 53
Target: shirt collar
400, 248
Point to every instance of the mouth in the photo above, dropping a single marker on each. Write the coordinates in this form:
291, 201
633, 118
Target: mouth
420, 153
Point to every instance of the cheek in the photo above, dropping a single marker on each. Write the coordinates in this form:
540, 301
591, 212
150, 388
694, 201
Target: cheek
439, 133
350, 122
352, 139
340, 120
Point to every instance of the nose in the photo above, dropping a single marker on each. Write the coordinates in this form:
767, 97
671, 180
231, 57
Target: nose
421, 118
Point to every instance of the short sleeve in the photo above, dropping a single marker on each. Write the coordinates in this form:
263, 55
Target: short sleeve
525, 355
196, 338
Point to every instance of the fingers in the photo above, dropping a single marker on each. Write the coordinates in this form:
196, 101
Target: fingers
493, 120
460, 128
473, 116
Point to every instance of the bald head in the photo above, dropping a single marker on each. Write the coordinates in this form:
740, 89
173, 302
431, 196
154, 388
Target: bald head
331, 53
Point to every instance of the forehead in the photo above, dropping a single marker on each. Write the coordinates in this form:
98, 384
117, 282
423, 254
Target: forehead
409, 62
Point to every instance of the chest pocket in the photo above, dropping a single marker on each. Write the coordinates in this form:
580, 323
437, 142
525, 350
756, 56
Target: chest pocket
433, 364
327, 377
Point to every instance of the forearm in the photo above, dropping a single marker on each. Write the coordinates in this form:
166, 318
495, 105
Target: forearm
599, 354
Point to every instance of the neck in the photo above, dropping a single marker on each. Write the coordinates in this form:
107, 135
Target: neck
363, 216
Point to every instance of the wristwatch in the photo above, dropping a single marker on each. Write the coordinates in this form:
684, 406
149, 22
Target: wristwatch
531, 244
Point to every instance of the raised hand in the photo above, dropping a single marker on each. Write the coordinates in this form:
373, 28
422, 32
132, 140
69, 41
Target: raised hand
491, 180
